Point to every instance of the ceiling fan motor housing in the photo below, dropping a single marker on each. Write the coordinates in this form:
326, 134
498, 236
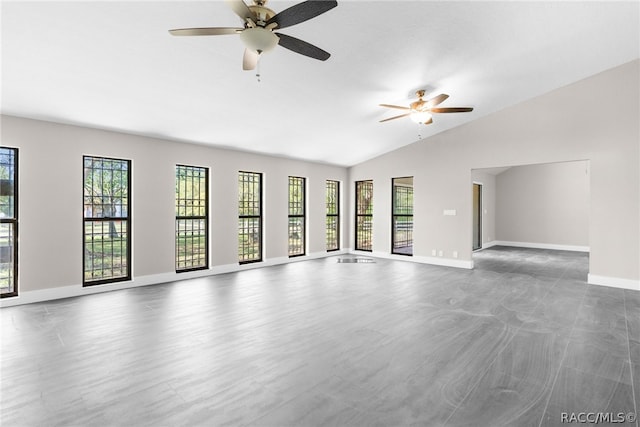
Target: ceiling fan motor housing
418, 105
262, 14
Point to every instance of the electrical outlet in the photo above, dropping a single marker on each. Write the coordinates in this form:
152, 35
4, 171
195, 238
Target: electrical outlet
455, 254
440, 253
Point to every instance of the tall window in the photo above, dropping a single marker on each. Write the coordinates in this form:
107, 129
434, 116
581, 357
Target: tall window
192, 239
8, 222
296, 216
333, 215
249, 217
402, 221
107, 222
364, 215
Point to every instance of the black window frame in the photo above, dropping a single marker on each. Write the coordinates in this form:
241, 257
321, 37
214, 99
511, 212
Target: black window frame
332, 222
366, 215
297, 212
108, 218
6, 187
181, 203
399, 215
256, 215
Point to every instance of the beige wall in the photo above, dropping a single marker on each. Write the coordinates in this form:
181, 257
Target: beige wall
50, 204
563, 125
544, 204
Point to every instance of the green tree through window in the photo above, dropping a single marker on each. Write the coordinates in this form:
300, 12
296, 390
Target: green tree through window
297, 219
107, 224
8, 222
249, 217
333, 215
364, 215
402, 216
192, 218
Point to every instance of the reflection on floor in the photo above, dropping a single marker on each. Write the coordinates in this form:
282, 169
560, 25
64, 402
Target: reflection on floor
403, 250
520, 340
354, 259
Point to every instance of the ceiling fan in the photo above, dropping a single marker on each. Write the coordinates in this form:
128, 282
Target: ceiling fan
420, 111
259, 23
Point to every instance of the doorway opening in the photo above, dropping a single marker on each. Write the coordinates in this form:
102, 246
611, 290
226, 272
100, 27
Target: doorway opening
542, 206
477, 216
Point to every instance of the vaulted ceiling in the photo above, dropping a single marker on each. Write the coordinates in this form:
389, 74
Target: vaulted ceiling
113, 65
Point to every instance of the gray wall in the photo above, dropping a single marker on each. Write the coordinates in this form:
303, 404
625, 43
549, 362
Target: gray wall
544, 204
560, 126
51, 189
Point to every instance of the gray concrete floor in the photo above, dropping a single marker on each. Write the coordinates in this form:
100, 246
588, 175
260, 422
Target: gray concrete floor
520, 340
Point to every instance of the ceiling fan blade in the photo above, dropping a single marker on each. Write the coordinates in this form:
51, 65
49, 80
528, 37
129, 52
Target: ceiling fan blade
302, 47
395, 117
436, 100
395, 106
302, 12
451, 110
219, 31
241, 9
250, 59
428, 122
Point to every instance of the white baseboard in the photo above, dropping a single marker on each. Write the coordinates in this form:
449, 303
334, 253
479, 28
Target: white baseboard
446, 262
78, 290
488, 245
551, 246
70, 291
614, 282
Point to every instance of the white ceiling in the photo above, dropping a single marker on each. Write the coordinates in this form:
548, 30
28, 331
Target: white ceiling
113, 65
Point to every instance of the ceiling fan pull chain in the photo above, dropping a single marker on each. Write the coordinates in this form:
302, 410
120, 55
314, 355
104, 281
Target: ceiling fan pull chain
258, 69
419, 131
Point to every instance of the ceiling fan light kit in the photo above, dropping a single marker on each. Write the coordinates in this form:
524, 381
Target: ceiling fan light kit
259, 39
420, 117
259, 24
421, 111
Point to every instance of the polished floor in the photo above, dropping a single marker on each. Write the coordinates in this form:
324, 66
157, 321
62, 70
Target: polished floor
521, 340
